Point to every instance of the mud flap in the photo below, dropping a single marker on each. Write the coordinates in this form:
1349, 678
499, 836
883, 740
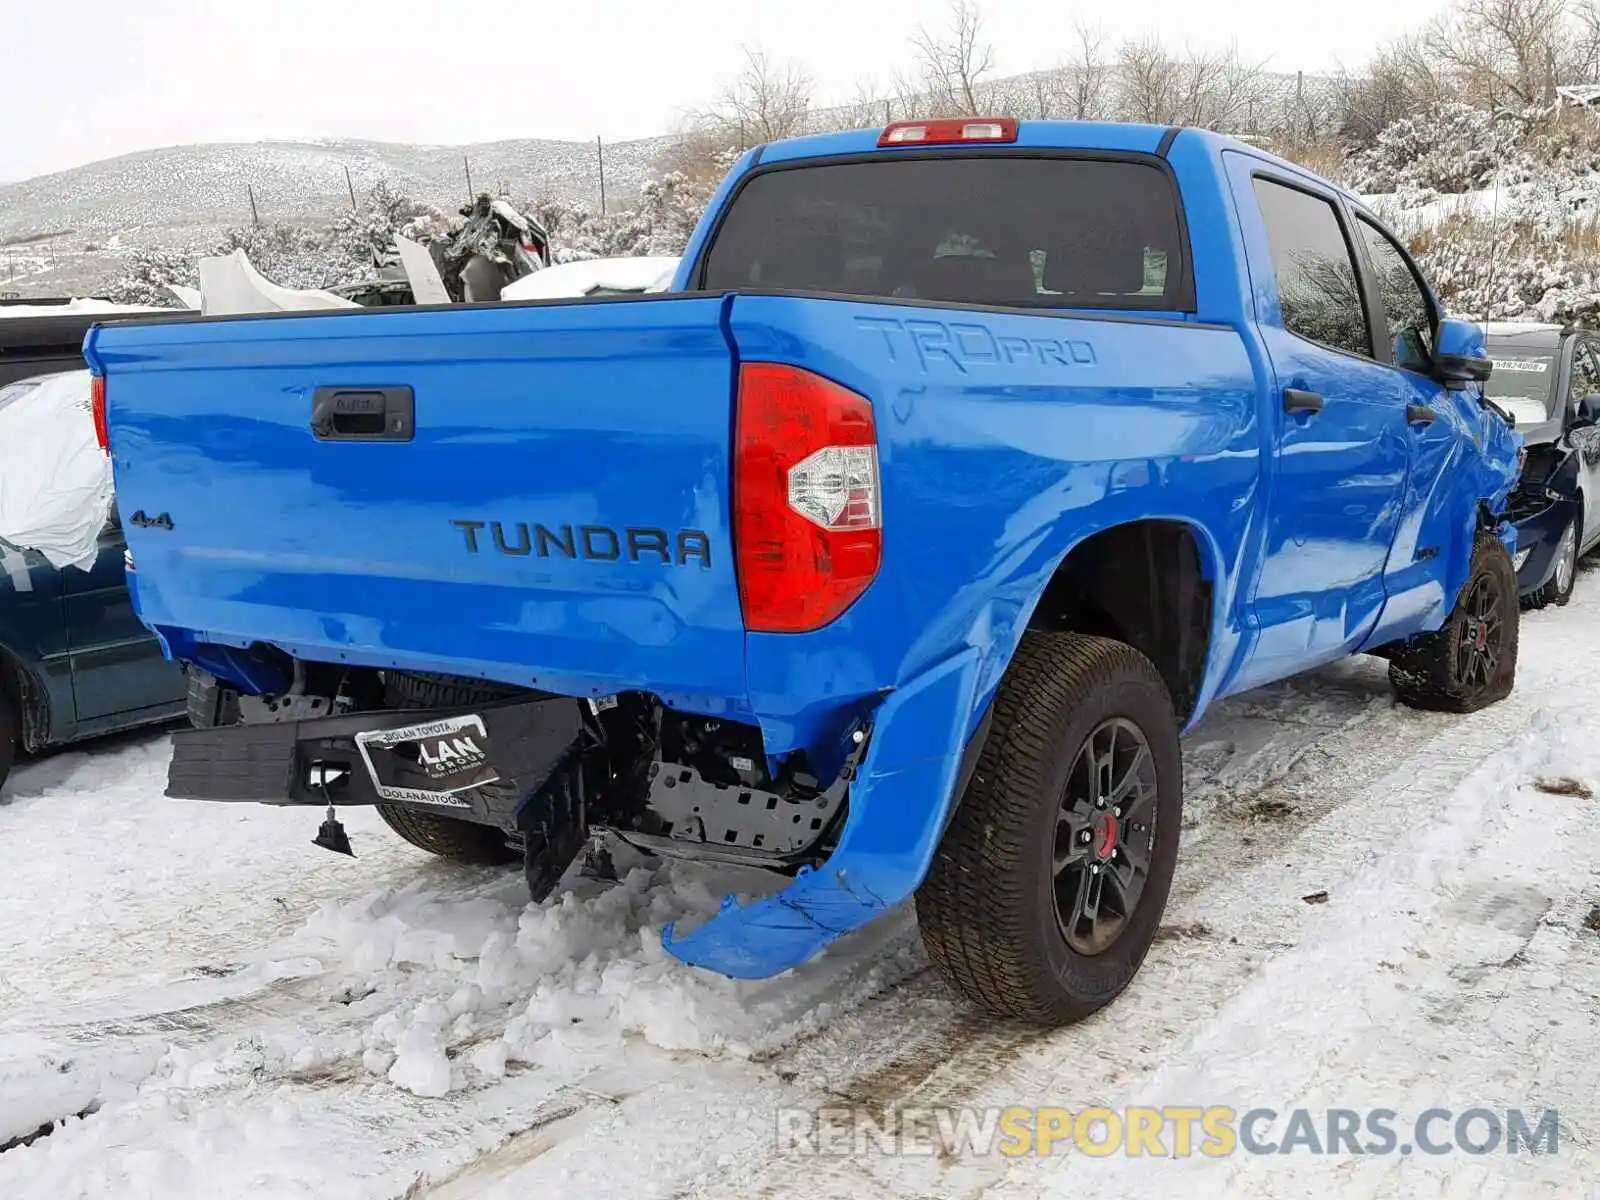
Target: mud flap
899, 808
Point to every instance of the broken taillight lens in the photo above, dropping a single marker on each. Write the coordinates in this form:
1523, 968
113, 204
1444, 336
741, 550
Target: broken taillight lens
97, 402
806, 493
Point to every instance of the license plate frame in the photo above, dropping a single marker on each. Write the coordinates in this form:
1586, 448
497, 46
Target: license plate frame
431, 762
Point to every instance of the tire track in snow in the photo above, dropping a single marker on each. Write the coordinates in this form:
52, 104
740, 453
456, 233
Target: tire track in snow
916, 1041
916, 1044
1381, 757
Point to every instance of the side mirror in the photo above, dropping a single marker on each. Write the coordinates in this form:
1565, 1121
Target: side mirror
1586, 413
1459, 356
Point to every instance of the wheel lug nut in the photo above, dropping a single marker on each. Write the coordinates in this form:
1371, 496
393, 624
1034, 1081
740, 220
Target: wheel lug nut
1095, 869
1116, 812
1086, 837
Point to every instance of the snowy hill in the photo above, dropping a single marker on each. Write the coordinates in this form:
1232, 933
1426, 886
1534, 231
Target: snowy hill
187, 186
55, 229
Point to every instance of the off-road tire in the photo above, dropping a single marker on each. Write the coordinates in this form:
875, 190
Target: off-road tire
1424, 671
459, 841
10, 735
1552, 592
987, 909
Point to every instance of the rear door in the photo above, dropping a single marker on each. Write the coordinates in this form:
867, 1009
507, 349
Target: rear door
1439, 432
117, 665
1341, 443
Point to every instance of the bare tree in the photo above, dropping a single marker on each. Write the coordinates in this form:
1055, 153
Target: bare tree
1398, 81
1151, 81
909, 99
1504, 51
955, 62
873, 103
1043, 95
766, 101
1583, 64
1088, 71
1221, 92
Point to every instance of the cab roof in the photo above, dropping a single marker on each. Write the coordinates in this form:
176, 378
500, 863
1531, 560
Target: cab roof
1109, 136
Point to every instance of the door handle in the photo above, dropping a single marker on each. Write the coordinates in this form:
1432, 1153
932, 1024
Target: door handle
1297, 400
363, 414
1420, 414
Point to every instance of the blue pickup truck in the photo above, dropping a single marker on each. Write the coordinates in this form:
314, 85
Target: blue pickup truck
964, 466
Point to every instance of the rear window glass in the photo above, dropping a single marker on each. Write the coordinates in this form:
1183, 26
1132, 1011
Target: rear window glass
993, 230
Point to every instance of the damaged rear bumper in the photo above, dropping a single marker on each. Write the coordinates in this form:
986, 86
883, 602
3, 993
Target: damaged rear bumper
436, 761
920, 753
900, 803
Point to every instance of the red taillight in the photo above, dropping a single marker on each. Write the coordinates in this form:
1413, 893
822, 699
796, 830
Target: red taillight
807, 519
97, 397
945, 132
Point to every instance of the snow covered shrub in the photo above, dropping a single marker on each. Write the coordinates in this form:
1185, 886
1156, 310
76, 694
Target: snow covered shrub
1447, 148
576, 233
361, 238
296, 256
660, 223
1515, 271
147, 271
289, 255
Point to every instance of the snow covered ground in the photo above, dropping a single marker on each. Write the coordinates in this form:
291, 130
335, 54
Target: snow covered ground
74, 306
236, 1013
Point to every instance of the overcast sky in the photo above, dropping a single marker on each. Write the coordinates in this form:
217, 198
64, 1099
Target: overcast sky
87, 79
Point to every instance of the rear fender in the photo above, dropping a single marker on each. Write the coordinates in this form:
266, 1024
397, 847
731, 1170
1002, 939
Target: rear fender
923, 746
1224, 644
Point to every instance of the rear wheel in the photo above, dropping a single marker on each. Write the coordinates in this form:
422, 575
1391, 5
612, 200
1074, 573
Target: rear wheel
1048, 887
460, 841
1471, 661
1557, 589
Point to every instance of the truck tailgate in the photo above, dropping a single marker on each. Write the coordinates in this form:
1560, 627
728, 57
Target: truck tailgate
448, 489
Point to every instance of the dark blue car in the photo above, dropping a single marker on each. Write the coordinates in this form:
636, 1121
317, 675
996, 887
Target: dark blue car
75, 661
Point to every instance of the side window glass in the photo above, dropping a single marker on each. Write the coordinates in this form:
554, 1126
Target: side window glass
1315, 270
1405, 304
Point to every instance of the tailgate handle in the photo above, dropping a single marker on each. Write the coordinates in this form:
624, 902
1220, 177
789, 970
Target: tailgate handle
363, 414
